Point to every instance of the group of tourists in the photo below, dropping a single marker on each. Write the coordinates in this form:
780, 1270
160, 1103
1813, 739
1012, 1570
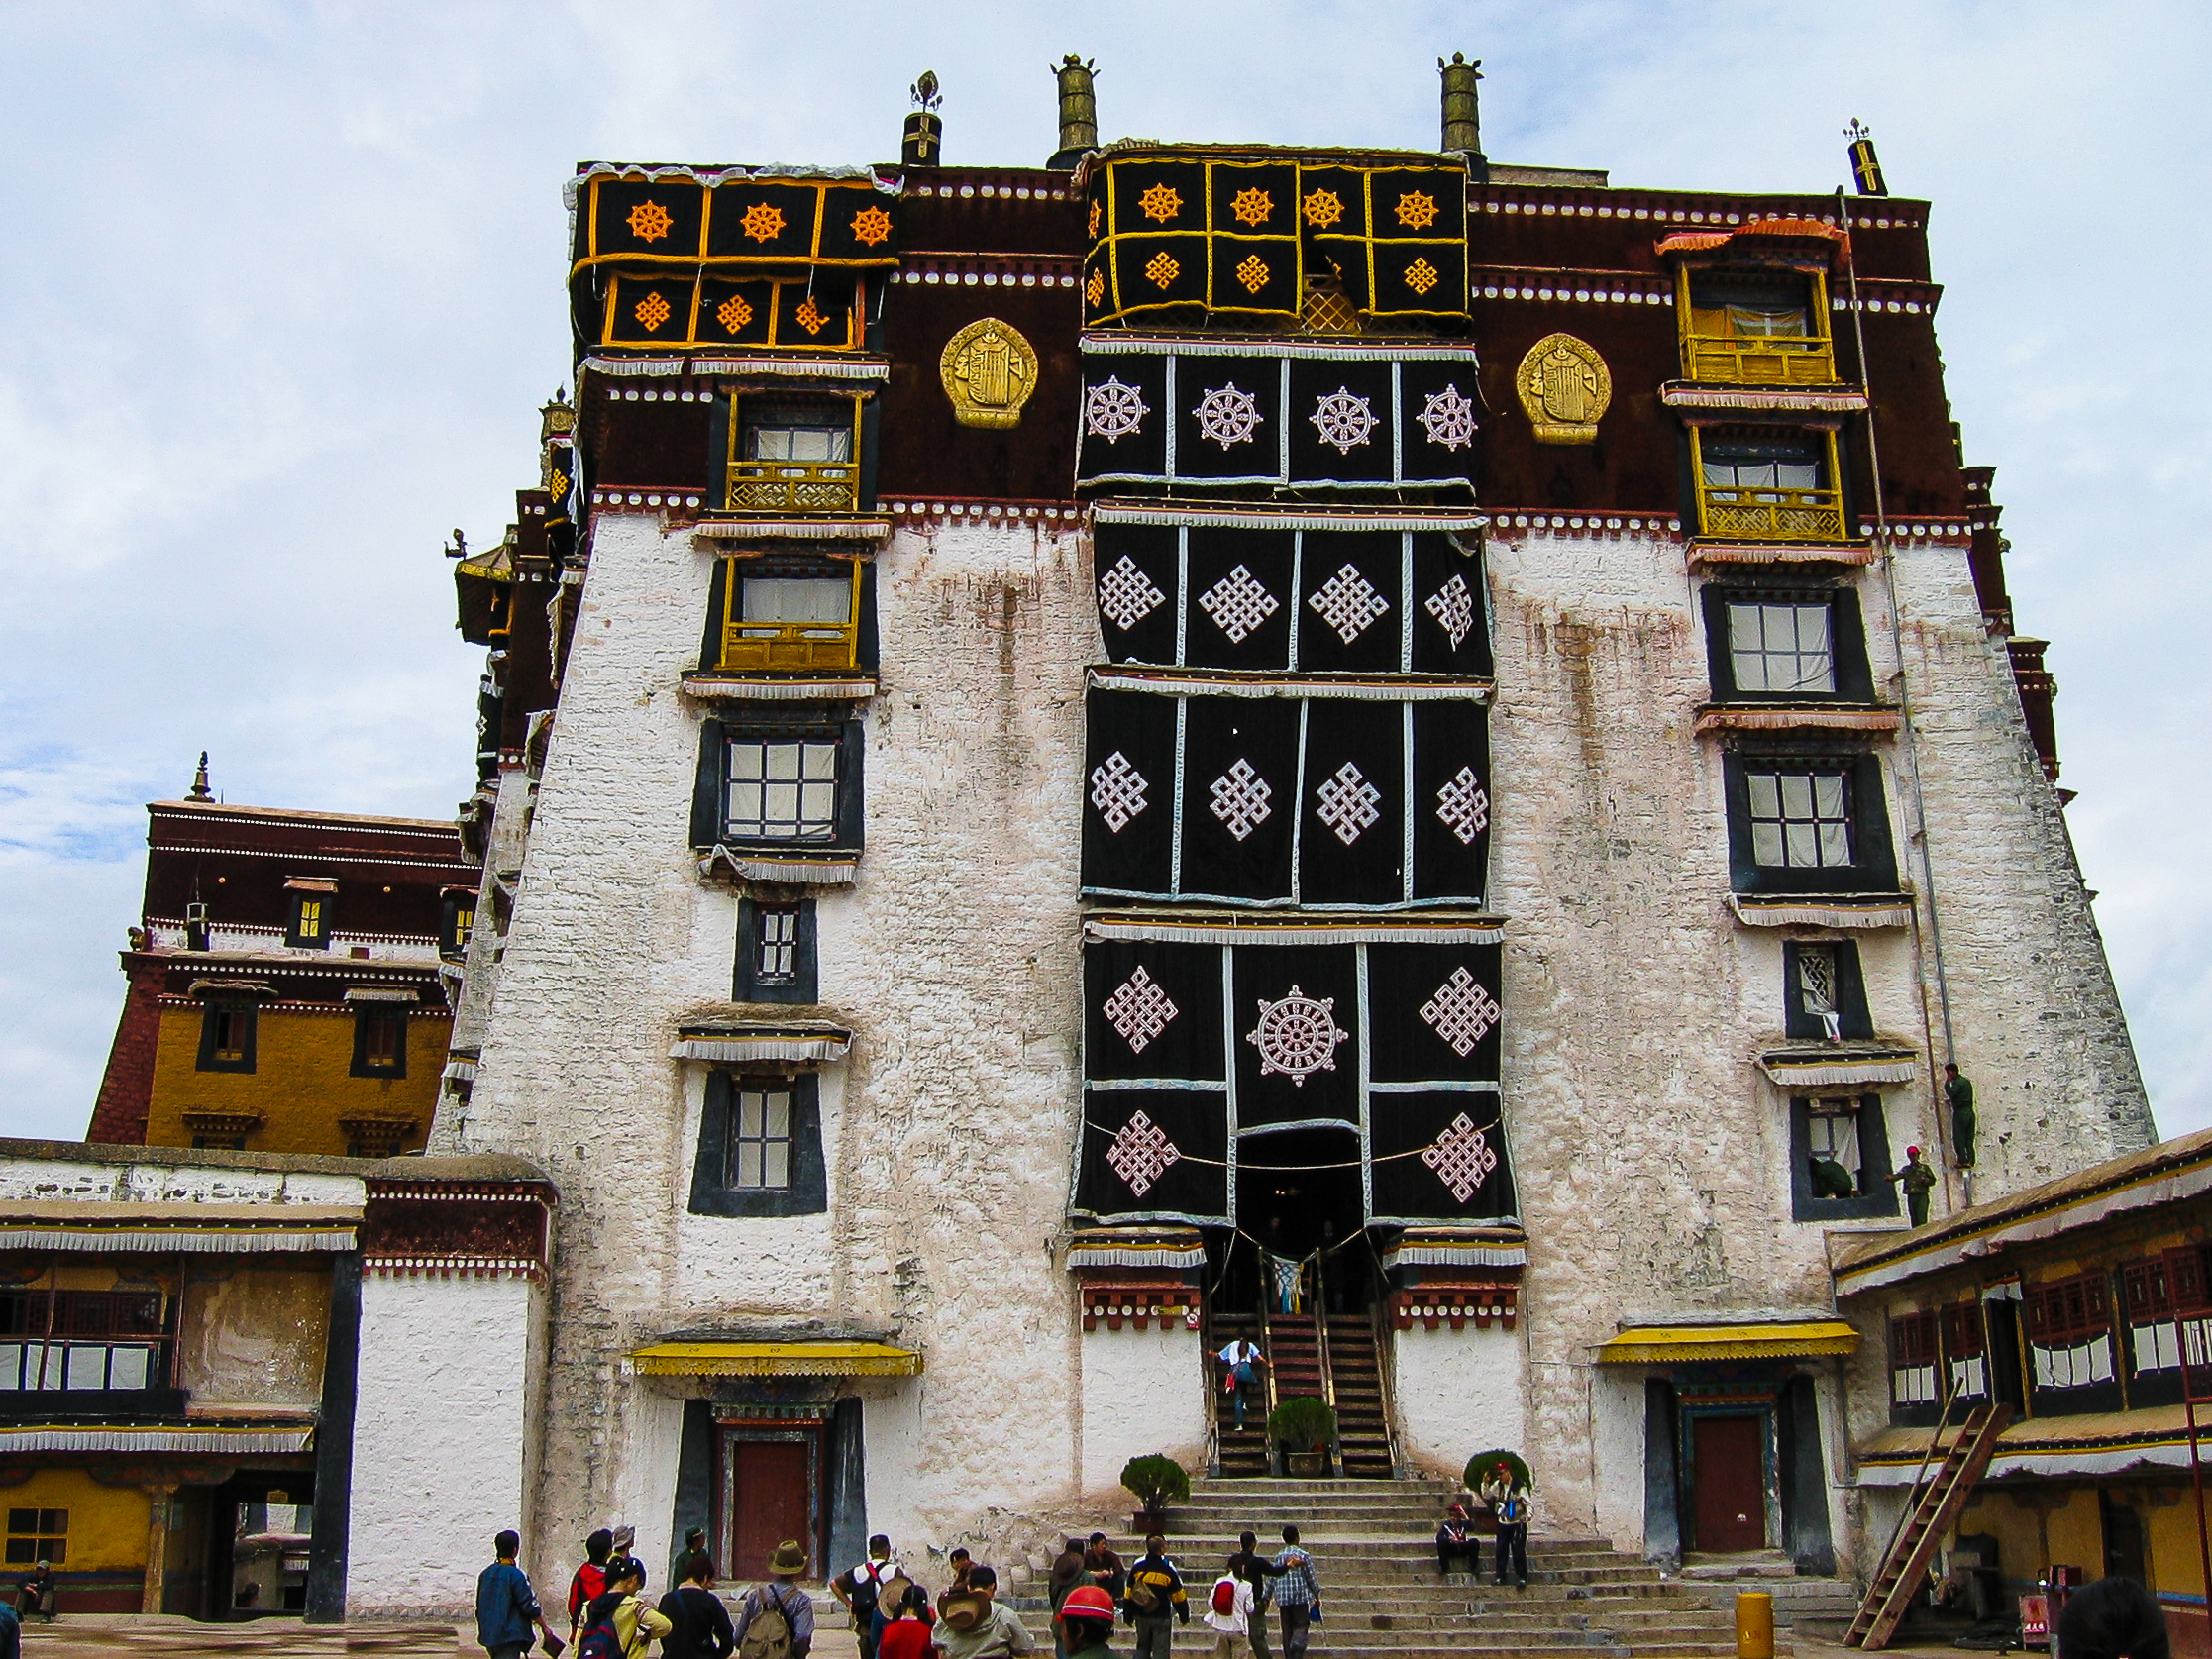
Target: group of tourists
610, 1617
1459, 1546
1091, 1587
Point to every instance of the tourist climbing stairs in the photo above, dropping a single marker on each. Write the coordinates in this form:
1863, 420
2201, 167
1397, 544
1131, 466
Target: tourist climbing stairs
1934, 1507
1383, 1597
1239, 1451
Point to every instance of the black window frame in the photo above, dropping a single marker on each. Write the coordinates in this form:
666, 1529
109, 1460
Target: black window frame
368, 1015
736, 566
710, 786
1847, 639
210, 1057
295, 937
712, 1193
749, 986
457, 916
1875, 865
1876, 1195
1857, 1023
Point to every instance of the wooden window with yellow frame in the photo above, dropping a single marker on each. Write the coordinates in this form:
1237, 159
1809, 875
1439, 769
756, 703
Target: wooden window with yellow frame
789, 613
791, 456
1759, 328
1767, 484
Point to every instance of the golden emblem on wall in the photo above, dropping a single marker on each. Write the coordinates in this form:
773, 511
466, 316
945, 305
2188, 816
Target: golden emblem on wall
1565, 386
988, 372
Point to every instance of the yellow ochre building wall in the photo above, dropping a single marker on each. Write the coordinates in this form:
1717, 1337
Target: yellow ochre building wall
107, 1524
301, 1084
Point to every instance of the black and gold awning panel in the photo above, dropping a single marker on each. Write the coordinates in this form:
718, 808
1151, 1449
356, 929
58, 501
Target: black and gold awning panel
1199, 1058
1244, 236
686, 221
681, 310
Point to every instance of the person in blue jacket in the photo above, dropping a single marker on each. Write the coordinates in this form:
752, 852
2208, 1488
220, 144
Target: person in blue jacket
506, 1607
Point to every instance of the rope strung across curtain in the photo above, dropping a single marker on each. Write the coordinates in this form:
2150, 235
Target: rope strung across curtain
1295, 1169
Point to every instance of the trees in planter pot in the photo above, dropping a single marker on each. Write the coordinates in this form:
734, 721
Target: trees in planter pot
1155, 1481
1305, 1427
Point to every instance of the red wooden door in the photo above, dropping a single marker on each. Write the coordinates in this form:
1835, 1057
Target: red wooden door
1729, 1473
769, 1502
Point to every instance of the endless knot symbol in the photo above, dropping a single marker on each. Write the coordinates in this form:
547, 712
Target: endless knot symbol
1126, 594
650, 220
1141, 1153
1253, 207
1140, 1010
872, 225
1228, 415
1117, 792
1448, 418
558, 487
1347, 803
1252, 273
810, 316
1241, 800
1161, 203
1416, 210
1453, 607
1163, 270
652, 311
1323, 208
1420, 276
1112, 410
763, 223
734, 313
1463, 1012
1463, 806
1343, 420
1237, 603
1094, 289
1298, 1036
1461, 1158
1348, 602
1093, 218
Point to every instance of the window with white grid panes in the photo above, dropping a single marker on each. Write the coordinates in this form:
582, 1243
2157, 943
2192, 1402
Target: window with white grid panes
1817, 987
781, 789
1799, 820
1832, 1133
761, 1140
1780, 647
776, 945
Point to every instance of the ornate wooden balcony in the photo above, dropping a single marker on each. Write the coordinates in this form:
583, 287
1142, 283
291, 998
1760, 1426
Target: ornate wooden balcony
1763, 512
1768, 360
788, 645
794, 487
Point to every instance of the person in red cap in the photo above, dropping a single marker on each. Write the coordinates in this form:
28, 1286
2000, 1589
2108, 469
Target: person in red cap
1085, 1622
1917, 1178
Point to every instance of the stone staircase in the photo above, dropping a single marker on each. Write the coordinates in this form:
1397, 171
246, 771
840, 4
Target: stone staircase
1355, 1370
1373, 1548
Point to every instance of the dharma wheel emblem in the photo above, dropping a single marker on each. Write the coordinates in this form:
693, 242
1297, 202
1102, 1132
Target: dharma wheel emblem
1564, 386
988, 372
1298, 1036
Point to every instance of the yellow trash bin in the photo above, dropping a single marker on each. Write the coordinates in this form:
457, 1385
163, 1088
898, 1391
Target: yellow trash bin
1754, 1624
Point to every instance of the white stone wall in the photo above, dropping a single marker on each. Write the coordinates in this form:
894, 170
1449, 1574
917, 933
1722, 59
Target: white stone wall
1143, 1392
440, 1428
1653, 1158
1457, 1393
56, 1179
955, 959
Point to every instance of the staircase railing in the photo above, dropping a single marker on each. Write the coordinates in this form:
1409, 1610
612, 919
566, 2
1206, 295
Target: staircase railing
1930, 1514
1267, 1363
1378, 1324
1207, 1351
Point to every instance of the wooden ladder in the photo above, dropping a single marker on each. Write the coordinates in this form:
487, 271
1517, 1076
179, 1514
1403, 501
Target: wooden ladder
1934, 1510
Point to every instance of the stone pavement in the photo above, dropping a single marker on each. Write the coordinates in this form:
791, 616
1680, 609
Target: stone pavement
141, 1635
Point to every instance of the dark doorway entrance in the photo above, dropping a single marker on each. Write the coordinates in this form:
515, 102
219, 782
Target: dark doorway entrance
1727, 1476
1297, 1190
2123, 1538
772, 1492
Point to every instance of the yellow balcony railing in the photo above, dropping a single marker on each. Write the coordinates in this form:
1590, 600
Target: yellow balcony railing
1761, 512
788, 645
1760, 359
794, 487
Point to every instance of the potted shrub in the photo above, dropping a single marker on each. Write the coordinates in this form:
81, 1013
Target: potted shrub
1305, 1427
1156, 1481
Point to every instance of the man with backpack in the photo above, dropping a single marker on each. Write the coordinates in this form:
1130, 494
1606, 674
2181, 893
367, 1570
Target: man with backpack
1241, 1377
698, 1623
775, 1620
1255, 1570
506, 1605
618, 1624
860, 1588
1230, 1611
1155, 1595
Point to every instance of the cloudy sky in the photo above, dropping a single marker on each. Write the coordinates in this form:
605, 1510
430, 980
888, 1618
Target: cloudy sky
283, 291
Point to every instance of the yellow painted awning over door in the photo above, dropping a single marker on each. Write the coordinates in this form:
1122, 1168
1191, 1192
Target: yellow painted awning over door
1674, 1344
776, 1359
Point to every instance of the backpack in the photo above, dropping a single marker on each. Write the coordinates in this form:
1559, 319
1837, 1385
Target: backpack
600, 1641
868, 1589
769, 1635
1143, 1597
1224, 1597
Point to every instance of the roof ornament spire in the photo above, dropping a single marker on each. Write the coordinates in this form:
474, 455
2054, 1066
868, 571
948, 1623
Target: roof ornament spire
922, 142
1462, 134
1078, 112
1867, 170
199, 789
